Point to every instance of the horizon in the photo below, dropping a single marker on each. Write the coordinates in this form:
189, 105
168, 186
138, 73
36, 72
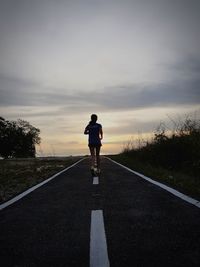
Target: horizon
134, 63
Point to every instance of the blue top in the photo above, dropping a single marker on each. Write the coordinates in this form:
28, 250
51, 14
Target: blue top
93, 131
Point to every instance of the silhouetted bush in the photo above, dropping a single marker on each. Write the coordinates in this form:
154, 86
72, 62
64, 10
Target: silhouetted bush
176, 149
18, 139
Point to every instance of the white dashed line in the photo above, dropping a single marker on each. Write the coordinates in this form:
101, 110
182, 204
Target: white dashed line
165, 187
95, 180
98, 245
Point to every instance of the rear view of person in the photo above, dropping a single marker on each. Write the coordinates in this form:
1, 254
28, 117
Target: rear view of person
95, 132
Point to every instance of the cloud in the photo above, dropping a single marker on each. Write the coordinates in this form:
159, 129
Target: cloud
20, 92
138, 96
16, 92
63, 61
132, 126
188, 66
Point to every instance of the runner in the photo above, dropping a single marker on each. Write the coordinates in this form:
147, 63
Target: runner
95, 132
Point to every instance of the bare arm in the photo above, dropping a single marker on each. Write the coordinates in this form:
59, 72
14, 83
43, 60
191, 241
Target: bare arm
101, 134
86, 130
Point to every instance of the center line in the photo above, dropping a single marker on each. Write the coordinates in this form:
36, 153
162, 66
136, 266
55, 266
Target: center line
95, 180
98, 245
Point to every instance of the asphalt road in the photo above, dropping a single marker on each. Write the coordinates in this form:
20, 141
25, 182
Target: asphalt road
144, 224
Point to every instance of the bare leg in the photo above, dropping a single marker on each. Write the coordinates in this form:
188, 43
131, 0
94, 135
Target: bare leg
92, 152
98, 156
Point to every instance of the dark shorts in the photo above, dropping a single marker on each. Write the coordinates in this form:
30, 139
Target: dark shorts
94, 145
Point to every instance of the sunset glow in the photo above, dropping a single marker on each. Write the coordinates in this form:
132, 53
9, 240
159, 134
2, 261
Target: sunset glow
134, 63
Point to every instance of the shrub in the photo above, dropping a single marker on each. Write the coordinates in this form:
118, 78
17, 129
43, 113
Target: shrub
174, 149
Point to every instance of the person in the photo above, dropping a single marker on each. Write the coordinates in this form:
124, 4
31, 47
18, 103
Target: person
95, 132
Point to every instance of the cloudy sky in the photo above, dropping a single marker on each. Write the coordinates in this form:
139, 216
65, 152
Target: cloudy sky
132, 62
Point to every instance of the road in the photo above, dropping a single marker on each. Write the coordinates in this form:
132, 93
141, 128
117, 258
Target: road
139, 224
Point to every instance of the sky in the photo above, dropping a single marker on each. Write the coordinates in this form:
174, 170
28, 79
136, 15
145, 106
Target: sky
134, 63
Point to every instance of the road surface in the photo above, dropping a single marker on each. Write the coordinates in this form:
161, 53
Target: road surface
118, 220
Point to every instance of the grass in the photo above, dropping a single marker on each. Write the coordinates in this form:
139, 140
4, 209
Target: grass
17, 175
179, 180
172, 156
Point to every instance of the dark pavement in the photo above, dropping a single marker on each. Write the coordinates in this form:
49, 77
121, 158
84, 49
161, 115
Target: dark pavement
145, 225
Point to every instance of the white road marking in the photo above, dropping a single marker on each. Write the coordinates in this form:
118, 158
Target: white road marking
95, 180
165, 187
13, 200
98, 245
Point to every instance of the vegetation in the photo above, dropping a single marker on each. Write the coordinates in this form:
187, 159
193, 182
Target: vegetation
18, 139
172, 156
16, 175
19, 169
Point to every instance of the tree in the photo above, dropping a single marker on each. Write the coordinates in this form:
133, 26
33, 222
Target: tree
18, 139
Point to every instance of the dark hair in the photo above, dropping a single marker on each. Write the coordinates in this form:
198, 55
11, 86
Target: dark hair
93, 119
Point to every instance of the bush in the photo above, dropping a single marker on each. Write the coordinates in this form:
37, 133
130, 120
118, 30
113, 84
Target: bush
176, 149
17, 139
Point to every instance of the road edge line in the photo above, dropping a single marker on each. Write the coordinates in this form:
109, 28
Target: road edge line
175, 192
31, 189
